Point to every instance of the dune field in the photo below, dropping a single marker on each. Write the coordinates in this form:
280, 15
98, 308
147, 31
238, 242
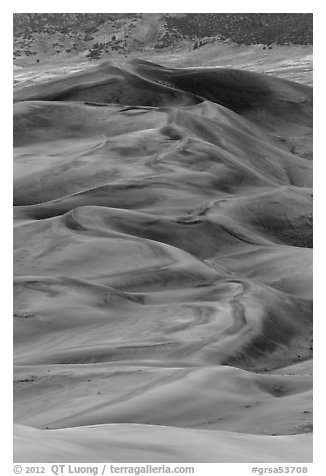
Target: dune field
163, 264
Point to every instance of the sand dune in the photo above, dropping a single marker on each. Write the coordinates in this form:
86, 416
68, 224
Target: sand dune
139, 443
275, 104
230, 399
162, 257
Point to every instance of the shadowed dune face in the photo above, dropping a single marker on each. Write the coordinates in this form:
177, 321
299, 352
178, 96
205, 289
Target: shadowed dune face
162, 256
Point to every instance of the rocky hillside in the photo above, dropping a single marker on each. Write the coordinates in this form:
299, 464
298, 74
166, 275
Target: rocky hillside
41, 35
247, 28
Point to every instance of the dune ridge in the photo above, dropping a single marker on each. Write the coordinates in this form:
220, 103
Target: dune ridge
162, 260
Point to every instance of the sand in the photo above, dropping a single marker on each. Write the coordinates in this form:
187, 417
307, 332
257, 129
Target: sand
163, 260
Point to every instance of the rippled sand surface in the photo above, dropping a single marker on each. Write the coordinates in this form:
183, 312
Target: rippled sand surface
163, 292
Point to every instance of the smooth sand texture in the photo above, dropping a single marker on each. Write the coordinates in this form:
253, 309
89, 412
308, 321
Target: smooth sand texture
163, 296
139, 443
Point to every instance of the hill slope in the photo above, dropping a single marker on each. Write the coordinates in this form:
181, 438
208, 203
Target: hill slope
38, 35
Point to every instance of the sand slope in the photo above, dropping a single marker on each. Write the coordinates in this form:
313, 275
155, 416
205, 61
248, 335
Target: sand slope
139, 443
